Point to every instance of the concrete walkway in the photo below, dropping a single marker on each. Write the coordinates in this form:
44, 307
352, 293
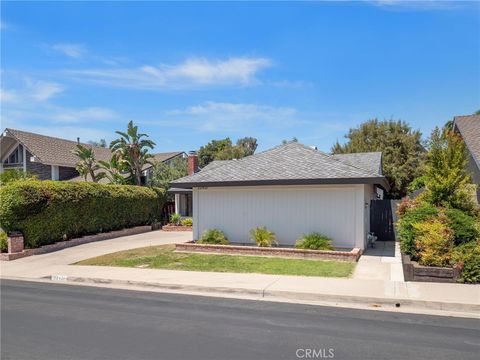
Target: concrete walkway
376, 283
383, 262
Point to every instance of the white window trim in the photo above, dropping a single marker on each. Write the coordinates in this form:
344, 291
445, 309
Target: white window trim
24, 159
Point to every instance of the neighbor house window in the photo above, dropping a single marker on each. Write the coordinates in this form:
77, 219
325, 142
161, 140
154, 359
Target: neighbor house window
16, 157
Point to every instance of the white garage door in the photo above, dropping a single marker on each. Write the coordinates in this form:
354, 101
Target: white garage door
287, 211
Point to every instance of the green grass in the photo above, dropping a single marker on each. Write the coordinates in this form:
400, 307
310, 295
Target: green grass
164, 257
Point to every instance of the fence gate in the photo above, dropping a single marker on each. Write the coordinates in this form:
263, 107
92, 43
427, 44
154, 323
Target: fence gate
381, 220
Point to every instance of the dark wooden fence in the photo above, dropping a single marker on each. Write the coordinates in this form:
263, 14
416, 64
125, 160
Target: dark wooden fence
382, 220
168, 209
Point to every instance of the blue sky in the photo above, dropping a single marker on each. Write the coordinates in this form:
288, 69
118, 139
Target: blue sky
187, 73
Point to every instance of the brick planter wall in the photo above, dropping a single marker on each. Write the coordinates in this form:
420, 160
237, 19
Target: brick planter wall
413, 271
176, 228
15, 243
74, 242
352, 255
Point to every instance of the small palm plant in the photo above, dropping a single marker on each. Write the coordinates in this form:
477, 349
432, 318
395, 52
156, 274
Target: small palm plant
263, 237
132, 150
175, 218
87, 164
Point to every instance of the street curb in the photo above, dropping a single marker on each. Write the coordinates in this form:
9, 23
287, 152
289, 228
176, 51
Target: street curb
278, 295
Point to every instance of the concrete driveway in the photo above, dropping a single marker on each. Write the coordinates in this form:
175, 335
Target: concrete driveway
38, 266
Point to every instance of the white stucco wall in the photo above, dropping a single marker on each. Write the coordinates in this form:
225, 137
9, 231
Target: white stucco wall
339, 212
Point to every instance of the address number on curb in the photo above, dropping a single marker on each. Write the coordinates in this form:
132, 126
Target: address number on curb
59, 278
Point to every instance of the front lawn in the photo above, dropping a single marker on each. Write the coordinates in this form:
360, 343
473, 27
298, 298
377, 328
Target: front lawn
164, 257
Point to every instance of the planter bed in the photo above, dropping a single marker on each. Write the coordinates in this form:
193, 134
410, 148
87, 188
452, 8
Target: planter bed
352, 255
176, 228
413, 271
74, 242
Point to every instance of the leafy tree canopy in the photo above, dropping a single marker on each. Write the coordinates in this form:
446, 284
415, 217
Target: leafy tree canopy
100, 143
402, 149
224, 149
447, 180
165, 173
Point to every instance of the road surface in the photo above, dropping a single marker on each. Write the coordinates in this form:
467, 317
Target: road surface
52, 321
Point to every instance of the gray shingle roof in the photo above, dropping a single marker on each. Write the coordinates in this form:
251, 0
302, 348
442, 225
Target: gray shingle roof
292, 163
371, 161
469, 127
55, 151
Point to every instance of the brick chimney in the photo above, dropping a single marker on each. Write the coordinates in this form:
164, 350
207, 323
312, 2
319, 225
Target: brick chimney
192, 162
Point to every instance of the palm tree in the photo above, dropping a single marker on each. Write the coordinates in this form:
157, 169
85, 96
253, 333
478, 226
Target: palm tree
132, 150
114, 169
87, 164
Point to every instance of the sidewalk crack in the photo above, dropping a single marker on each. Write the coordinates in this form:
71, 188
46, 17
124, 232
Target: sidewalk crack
266, 287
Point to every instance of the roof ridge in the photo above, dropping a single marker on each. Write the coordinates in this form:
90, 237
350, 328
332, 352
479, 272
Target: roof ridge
54, 137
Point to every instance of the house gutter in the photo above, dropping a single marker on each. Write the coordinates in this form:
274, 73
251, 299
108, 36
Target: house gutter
374, 180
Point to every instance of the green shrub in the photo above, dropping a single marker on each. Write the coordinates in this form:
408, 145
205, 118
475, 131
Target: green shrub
11, 175
467, 257
405, 226
50, 211
213, 236
3, 241
175, 218
314, 241
465, 227
187, 222
263, 237
434, 243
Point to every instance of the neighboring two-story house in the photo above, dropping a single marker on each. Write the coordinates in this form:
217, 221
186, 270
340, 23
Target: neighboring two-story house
469, 128
51, 158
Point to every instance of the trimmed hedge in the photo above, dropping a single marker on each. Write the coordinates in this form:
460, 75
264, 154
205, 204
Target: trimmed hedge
50, 211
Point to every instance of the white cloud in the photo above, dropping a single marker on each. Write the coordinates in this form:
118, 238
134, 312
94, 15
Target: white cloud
42, 90
32, 102
65, 115
8, 96
230, 117
71, 50
233, 70
417, 4
33, 91
192, 73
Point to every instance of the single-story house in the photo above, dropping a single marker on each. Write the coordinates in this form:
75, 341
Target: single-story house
291, 189
469, 128
51, 158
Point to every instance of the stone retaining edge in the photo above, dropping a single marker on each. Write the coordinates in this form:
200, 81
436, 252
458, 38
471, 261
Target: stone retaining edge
352, 255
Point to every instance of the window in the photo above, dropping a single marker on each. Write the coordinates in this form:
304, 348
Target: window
16, 157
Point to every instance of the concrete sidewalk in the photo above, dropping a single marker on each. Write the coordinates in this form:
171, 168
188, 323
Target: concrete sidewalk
383, 292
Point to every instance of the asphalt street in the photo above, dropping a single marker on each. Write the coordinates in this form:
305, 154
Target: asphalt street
55, 321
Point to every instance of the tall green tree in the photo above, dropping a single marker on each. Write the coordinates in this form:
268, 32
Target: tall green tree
293, 139
402, 149
447, 180
164, 173
224, 149
100, 143
248, 145
87, 164
132, 150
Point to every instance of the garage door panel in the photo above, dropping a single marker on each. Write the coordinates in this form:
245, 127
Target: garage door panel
289, 213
